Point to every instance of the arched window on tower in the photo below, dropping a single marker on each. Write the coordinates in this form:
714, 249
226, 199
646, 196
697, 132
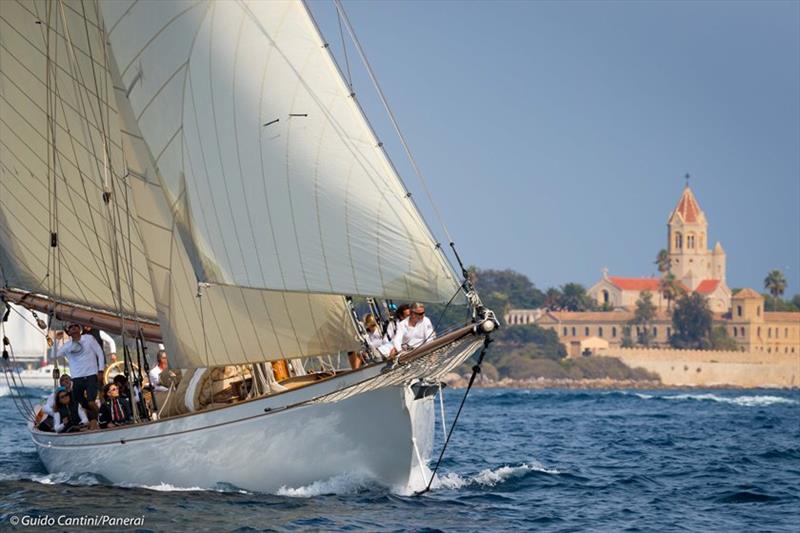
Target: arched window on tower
690, 241
678, 240
605, 297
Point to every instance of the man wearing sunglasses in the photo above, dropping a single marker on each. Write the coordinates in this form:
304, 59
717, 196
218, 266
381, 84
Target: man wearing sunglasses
86, 365
414, 331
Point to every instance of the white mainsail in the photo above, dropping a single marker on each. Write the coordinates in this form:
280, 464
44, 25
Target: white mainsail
278, 181
215, 325
81, 111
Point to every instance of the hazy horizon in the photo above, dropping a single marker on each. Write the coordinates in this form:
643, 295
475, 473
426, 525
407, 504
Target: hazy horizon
555, 135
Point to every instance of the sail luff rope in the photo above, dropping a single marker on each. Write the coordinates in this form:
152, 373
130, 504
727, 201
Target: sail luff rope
344, 49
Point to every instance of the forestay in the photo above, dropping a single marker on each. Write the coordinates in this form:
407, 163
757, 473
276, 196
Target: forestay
273, 175
83, 118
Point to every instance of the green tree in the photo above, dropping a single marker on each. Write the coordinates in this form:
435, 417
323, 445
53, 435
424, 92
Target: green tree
670, 288
502, 289
796, 301
552, 299
643, 317
720, 340
574, 297
532, 340
691, 322
775, 283
662, 261
627, 340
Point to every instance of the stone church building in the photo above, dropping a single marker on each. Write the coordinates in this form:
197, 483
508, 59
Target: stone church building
696, 267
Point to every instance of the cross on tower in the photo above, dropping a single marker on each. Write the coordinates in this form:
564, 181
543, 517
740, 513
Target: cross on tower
687, 176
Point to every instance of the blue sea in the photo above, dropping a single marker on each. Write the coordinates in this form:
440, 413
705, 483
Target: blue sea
543, 460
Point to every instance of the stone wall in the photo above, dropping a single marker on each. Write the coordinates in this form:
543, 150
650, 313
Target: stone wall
701, 368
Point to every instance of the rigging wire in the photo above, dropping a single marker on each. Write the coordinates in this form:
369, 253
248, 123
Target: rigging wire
392, 118
475, 371
344, 49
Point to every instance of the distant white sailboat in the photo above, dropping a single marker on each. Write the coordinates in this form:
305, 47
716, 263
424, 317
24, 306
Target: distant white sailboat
210, 182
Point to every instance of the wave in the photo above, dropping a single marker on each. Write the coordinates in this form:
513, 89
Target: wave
341, 484
490, 477
88, 479
354, 483
744, 401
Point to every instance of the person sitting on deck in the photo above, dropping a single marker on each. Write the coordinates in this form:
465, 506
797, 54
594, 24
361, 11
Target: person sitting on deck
65, 383
49, 408
155, 372
70, 415
116, 411
401, 313
414, 331
374, 337
123, 386
86, 364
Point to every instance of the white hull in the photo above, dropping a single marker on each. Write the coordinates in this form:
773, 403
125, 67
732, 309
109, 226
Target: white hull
363, 423
369, 435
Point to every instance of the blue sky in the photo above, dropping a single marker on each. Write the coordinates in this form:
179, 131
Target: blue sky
555, 135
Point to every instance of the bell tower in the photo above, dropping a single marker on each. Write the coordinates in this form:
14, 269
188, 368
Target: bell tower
687, 243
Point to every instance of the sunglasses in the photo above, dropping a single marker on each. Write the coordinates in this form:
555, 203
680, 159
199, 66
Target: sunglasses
420, 313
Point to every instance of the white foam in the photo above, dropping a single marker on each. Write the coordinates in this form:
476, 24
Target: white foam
489, 477
166, 487
341, 484
61, 478
745, 401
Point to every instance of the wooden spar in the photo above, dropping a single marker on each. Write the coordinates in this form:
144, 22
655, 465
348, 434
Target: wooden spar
83, 315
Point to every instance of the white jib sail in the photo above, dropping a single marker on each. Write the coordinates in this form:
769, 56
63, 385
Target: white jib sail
282, 184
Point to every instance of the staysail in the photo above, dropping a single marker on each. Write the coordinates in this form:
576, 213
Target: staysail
71, 97
277, 181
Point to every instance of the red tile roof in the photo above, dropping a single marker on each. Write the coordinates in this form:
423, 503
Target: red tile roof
635, 284
748, 293
687, 206
707, 286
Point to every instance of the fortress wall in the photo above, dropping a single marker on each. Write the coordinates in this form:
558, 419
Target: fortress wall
699, 368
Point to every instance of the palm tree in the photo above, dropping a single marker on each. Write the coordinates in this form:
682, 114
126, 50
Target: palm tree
775, 283
574, 297
552, 299
670, 288
662, 261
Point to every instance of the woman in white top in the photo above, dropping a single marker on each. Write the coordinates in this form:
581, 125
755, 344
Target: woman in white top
70, 415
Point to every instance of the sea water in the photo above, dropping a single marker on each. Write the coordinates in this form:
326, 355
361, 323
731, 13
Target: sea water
544, 460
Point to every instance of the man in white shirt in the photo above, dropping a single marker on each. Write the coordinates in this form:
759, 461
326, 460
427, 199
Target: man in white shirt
105, 341
414, 331
155, 372
86, 365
